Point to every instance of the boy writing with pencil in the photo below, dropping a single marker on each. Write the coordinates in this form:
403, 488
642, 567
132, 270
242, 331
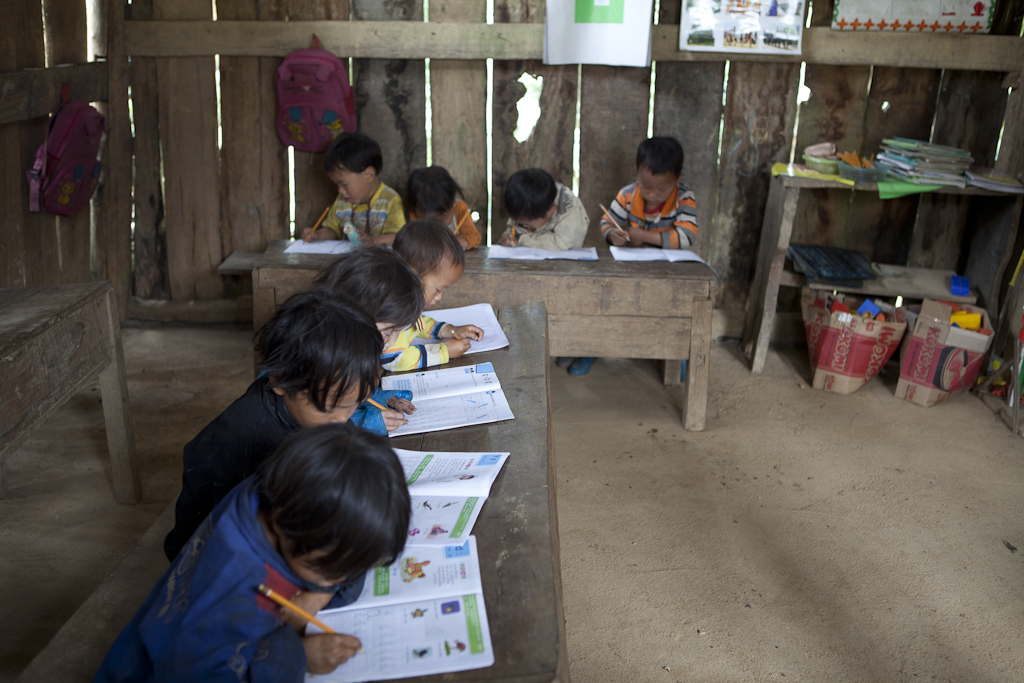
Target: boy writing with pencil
433, 193
657, 210
320, 357
371, 208
542, 214
330, 505
435, 255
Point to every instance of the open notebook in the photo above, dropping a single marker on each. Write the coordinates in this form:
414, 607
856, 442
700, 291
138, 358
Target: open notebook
481, 315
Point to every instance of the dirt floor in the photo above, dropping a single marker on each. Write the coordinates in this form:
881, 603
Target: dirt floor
803, 535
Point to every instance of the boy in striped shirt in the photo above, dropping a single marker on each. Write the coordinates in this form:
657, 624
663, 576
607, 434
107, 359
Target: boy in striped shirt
657, 210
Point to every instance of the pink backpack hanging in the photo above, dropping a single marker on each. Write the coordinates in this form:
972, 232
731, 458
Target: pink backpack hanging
314, 100
67, 167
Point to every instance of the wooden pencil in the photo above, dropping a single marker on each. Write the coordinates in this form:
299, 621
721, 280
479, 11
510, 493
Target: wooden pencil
374, 403
289, 605
321, 220
611, 219
459, 226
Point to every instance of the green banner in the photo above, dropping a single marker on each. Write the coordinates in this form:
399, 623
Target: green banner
476, 636
419, 470
600, 11
381, 580
467, 512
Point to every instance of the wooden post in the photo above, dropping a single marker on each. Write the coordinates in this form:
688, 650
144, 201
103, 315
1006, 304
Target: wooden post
124, 467
698, 367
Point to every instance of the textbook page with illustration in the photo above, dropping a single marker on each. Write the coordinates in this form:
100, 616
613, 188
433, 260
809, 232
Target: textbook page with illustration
450, 398
447, 491
320, 247
481, 315
422, 615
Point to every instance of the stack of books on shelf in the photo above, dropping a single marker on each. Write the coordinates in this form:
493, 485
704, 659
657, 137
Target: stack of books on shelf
990, 179
924, 163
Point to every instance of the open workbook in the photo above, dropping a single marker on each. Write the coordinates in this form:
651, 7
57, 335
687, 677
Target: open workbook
449, 398
425, 613
481, 315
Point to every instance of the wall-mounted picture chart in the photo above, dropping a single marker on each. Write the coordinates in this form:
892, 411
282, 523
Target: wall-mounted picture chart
771, 26
923, 16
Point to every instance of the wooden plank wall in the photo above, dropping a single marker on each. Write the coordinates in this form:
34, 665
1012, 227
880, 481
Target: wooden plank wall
207, 183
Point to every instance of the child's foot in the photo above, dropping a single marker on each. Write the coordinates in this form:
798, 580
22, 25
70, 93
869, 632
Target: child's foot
564, 361
581, 366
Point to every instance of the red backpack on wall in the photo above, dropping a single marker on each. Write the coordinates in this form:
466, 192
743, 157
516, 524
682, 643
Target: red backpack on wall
314, 99
67, 167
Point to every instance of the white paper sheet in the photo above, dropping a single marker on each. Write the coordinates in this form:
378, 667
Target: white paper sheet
412, 639
322, 247
530, 254
642, 254
450, 398
613, 32
481, 315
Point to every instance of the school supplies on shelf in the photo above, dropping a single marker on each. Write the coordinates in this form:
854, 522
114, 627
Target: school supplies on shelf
801, 171
450, 398
424, 614
531, 254
991, 179
921, 162
481, 315
321, 247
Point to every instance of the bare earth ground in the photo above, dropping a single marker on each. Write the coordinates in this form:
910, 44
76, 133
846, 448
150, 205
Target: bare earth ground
803, 536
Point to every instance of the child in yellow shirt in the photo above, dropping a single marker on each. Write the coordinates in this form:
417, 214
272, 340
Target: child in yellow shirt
433, 252
373, 209
433, 192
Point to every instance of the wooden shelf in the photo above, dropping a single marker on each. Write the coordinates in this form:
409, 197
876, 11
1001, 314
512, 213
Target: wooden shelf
910, 283
815, 184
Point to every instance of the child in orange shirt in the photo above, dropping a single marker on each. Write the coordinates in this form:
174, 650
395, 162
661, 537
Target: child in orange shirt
434, 193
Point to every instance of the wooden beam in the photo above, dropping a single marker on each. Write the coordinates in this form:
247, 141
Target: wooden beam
418, 40
35, 92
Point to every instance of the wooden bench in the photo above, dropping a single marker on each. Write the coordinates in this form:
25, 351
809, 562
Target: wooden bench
53, 341
517, 536
602, 308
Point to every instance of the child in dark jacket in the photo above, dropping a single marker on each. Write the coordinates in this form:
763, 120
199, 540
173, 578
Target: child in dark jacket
320, 359
328, 506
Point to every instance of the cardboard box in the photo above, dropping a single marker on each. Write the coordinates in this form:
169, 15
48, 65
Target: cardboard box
846, 350
938, 360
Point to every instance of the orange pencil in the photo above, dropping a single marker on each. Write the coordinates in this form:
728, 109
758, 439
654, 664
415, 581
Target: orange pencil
287, 604
513, 233
459, 226
611, 219
374, 403
322, 217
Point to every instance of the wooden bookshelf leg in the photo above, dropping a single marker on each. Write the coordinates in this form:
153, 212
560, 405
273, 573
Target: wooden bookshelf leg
764, 291
671, 372
120, 435
697, 367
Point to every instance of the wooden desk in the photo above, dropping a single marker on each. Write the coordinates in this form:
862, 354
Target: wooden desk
601, 308
994, 230
53, 340
517, 536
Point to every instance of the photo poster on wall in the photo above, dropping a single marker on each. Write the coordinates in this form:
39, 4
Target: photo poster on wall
921, 16
609, 32
766, 26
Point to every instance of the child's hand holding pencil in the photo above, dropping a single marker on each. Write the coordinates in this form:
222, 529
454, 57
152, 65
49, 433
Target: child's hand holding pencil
324, 651
619, 235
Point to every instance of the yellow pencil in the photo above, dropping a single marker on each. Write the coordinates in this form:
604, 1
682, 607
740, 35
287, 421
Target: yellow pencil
287, 604
459, 226
322, 217
374, 403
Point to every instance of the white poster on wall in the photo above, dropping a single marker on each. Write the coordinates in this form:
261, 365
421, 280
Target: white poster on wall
913, 16
612, 32
767, 26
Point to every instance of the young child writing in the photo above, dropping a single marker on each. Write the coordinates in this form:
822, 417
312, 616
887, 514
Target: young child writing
320, 359
435, 255
432, 192
353, 162
328, 506
657, 210
542, 214
391, 292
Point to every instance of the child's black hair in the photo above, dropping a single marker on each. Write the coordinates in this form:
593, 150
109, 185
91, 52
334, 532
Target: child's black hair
340, 490
427, 244
380, 281
431, 190
322, 344
660, 155
529, 194
355, 152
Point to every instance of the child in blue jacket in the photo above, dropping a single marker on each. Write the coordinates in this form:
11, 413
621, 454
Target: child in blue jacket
329, 505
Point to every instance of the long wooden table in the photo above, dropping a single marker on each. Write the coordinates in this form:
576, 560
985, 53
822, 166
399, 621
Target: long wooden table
604, 308
53, 341
517, 537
